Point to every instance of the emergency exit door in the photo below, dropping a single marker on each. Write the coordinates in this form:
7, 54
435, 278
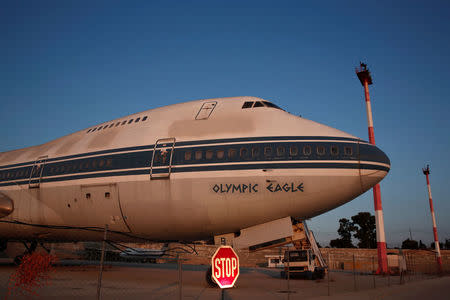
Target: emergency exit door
161, 165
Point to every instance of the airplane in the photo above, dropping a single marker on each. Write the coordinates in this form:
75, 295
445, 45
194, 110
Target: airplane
183, 172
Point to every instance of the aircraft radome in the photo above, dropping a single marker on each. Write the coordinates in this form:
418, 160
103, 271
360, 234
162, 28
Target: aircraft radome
183, 172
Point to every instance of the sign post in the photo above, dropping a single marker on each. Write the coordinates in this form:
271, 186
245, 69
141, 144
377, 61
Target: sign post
225, 267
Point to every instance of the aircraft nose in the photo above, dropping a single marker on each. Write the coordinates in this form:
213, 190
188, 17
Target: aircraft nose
373, 164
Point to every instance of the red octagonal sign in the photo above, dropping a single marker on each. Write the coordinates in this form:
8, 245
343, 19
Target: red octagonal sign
225, 267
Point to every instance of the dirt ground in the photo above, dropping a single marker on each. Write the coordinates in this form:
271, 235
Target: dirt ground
161, 281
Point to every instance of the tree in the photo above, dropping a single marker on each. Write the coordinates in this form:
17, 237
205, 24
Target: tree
410, 244
422, 246
364, 224
441, 245
336, 243
345, 232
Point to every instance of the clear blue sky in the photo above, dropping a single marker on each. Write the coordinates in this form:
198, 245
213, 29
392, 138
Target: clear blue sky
67, 65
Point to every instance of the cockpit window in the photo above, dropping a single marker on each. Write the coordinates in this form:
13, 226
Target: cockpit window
247, 104
250, 104
270, 104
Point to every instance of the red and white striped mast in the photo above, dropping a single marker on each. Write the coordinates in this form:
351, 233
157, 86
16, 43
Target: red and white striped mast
365, 78
426, 171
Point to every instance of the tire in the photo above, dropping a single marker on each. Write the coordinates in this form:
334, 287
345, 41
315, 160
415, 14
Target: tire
319, 273
211, 283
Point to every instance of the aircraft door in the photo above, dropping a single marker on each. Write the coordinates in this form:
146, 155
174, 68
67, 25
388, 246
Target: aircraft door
206, 110
161, 165
36, 172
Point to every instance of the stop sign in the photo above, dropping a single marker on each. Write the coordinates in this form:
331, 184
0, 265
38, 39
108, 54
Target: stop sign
225, 267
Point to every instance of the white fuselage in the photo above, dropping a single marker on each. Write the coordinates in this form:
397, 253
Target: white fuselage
184, 172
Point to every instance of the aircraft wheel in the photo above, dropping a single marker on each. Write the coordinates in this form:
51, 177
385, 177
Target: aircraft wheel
209, 280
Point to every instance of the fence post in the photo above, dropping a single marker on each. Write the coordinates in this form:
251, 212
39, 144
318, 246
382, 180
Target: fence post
100, 274
388, 272
329, 272
288, 274
180, 277
400, 267
373, 272
408, 266
354, 272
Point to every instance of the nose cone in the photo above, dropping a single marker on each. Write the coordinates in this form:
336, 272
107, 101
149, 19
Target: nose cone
373, 164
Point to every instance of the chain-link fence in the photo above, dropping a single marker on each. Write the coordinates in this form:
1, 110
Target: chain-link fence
181, 274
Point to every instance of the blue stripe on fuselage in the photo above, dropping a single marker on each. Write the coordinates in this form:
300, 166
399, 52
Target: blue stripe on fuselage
282, 153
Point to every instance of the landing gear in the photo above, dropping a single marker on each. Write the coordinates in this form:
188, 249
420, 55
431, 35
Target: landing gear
209, 280
18, 258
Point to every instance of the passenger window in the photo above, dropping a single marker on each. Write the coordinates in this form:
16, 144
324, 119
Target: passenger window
101, 163
131, 121
220, 154
198, 155
348, 150
267, 151
280, 151
307, 150
293, 150
258, 104
124, 122
89, 131
117, 124
104, 127
334, 150
137, 120
244, 152
232, 153
110, 126
209, 154
144, 118
247, 104
187, 155
320, 150
255, 152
